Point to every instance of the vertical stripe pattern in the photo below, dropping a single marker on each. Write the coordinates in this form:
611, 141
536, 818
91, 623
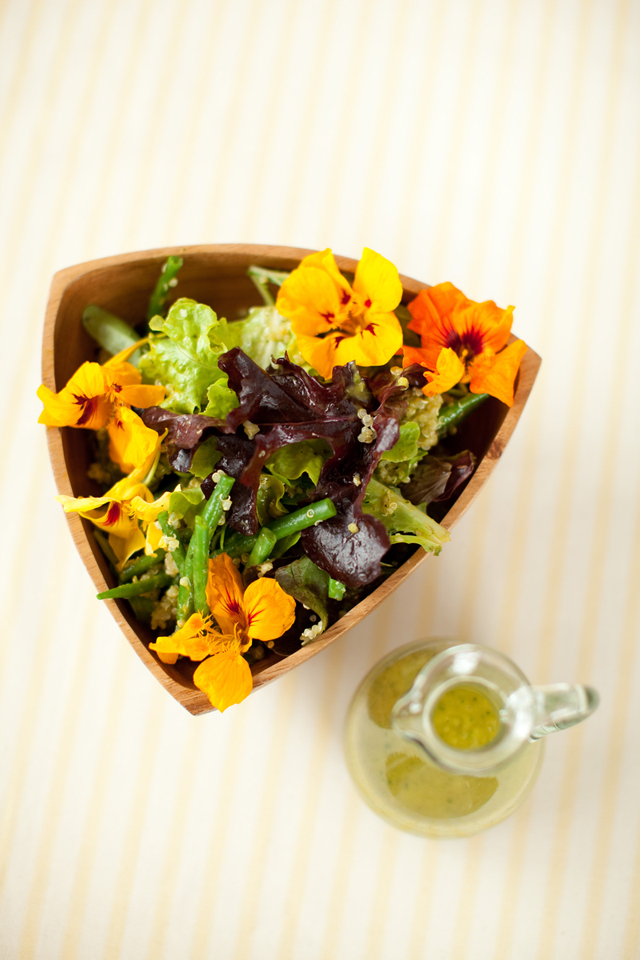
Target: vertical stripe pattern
493, 143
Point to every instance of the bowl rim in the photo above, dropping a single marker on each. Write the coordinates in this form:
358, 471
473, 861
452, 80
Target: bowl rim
194, 700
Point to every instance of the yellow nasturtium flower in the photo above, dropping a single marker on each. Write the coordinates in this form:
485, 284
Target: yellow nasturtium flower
261, 612
127, 513
102, 396
464, 342
335, 322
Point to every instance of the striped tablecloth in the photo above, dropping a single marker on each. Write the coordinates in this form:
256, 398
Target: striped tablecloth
493, 143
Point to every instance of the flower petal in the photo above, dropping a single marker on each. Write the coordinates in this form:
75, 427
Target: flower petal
122, 373
225, 594
81, 403
191, 640
496, 374
310, 298
449, 369
130, 441
444, 317
325, 260
374, 345
377, 280
268, 609
147, 509
225, 678
320, 352
432, 311
82, 505
125, 547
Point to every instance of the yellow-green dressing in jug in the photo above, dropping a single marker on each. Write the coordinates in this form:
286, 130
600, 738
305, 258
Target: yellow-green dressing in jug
400, 782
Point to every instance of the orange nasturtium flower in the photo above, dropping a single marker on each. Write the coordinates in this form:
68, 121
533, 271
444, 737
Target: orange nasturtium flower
334, 322
120, 511
464, 342
102, 396
261, 612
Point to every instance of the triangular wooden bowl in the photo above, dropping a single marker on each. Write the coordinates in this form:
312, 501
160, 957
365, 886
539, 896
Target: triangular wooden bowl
216, 275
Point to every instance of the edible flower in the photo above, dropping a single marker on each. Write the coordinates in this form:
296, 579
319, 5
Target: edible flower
261, 612
464, 342
335, 322
119, 513
99, 396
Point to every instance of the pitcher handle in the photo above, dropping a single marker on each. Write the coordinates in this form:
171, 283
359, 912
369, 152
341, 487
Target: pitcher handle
561, 705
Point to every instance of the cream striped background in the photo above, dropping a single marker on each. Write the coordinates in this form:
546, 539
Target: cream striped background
495, 143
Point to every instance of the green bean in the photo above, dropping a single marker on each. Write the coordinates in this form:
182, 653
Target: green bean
199, 555
142, 607
303, 518
213, 509
136, 588
185, 593
109, 331
283, 527
103, 543
162, 287
236, 545
453, 413
140, 565
262, 278
179, 553
263, 546
336, 589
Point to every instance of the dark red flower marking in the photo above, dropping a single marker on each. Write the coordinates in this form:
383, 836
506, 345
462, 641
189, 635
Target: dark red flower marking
89, 406
329, 317
113, 515
367, 302
371, 328
471, 341
346, 297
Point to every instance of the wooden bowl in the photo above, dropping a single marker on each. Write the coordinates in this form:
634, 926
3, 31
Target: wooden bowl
217, 275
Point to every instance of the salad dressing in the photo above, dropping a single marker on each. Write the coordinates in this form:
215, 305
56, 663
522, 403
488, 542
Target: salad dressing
399, 781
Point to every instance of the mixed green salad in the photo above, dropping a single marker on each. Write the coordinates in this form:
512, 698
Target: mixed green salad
218, 438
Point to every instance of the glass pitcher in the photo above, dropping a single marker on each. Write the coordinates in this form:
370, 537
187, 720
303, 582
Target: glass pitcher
443, 738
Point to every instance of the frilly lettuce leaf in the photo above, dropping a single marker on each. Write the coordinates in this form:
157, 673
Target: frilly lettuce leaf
265, 336
222, 399
404, 522
268, 497
184, 354
184, 503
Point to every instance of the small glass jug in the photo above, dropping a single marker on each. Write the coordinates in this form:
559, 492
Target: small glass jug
443, 738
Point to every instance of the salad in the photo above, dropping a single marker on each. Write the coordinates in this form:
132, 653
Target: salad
261, 475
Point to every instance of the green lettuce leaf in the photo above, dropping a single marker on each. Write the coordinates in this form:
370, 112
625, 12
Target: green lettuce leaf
181, 502
290, 462
268, 505
266, 335
306, 582
406, 447
404, 522
183, 355
222, 399
205, 458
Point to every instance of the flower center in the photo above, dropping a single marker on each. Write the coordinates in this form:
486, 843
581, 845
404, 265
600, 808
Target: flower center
467, 345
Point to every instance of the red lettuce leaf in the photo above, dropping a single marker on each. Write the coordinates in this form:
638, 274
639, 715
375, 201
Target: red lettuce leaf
289, 406
436, 478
